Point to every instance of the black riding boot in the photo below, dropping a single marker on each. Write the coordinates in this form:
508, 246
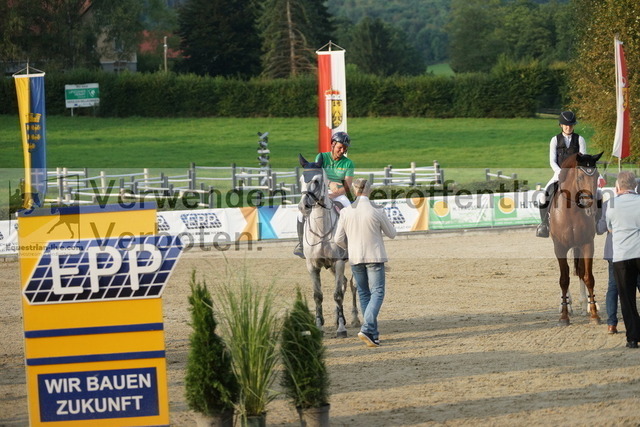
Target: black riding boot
298, 249
543, 228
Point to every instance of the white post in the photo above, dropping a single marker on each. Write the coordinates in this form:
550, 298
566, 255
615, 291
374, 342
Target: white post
165, 54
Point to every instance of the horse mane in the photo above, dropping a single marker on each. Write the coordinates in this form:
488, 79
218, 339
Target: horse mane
570, 162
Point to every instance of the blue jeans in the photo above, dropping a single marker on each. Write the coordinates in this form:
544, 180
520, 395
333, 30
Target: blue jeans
370, 281
612, 297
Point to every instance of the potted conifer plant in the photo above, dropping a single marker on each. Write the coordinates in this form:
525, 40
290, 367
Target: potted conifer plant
305, 378
212, 389
251, 328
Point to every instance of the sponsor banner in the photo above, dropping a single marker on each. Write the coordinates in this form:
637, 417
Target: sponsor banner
405, 214
516, 209
332, 95
210, 226
91, 285
31, 110
279, 222
8, 237
483, 210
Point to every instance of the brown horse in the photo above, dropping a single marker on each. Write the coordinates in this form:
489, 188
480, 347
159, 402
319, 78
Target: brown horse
572, 221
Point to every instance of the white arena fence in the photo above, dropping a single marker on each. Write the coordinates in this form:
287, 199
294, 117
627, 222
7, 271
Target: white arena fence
205, 184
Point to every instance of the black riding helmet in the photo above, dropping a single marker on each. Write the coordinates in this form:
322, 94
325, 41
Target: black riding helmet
342, 138
567, 118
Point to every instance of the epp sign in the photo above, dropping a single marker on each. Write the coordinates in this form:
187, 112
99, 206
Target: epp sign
395, 215
103, 269
197, 220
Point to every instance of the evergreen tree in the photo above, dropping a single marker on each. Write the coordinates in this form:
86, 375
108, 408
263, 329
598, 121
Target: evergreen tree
291, 32
482, 31
378, 48
219, 37
473, 46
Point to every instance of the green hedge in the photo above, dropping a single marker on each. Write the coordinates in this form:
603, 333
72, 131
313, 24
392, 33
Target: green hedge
507, 92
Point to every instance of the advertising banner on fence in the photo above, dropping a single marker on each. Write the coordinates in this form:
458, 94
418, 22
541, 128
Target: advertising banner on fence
210, 226
406, 214
279, 222
91, 285
332, 94
8, 237
31, 111
483, 210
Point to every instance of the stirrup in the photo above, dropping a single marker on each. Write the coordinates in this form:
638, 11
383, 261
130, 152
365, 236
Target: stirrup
297, 251
542, 230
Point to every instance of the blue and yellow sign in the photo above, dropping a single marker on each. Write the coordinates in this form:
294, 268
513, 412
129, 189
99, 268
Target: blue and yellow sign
92, 278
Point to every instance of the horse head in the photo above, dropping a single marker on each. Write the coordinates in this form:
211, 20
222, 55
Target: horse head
312, 184
580, 178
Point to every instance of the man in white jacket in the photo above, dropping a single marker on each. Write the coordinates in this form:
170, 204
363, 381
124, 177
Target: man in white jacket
360, 230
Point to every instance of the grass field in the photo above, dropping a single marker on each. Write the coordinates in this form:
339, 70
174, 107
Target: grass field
376, 142
440, 70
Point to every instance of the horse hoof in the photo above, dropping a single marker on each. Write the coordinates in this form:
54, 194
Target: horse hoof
355, 323
342, 334
564, 322
595, 321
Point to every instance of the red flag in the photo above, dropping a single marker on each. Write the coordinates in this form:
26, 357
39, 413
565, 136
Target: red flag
623, 127
332, 95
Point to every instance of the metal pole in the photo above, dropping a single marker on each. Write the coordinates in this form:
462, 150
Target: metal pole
165, 54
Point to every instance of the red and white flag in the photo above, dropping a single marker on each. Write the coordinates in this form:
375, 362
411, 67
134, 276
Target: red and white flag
332, 95
621, 140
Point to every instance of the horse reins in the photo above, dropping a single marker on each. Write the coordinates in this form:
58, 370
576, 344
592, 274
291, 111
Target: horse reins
325, 207
589, 172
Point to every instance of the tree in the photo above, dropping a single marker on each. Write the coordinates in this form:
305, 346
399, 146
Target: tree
592, 73
62, 34
219, 37
120, 24
482, 31
422, 21
473, 46
378, 48
291, 32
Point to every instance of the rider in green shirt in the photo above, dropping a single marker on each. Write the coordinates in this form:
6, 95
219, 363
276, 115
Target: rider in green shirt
339, 170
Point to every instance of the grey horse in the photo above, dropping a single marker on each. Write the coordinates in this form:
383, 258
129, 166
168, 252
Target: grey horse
321, 218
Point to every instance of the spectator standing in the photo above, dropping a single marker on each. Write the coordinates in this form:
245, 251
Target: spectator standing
360, 230
623, 221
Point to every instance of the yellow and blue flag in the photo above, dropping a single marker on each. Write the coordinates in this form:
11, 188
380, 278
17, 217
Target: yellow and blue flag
31, 109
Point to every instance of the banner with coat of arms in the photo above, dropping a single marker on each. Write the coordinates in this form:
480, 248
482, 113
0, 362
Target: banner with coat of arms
332, 94
31, 110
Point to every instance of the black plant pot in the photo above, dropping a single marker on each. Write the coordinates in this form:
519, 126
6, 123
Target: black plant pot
314, 417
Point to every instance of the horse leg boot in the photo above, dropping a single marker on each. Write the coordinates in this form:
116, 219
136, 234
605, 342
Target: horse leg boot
543, 228
298, 250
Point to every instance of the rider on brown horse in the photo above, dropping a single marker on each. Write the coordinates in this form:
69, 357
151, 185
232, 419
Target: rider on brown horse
561, 146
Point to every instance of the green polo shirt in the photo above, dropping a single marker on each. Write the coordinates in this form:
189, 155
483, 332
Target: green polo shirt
336, 170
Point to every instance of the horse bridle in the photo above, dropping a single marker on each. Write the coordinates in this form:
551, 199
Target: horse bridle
319, 202
581, 195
